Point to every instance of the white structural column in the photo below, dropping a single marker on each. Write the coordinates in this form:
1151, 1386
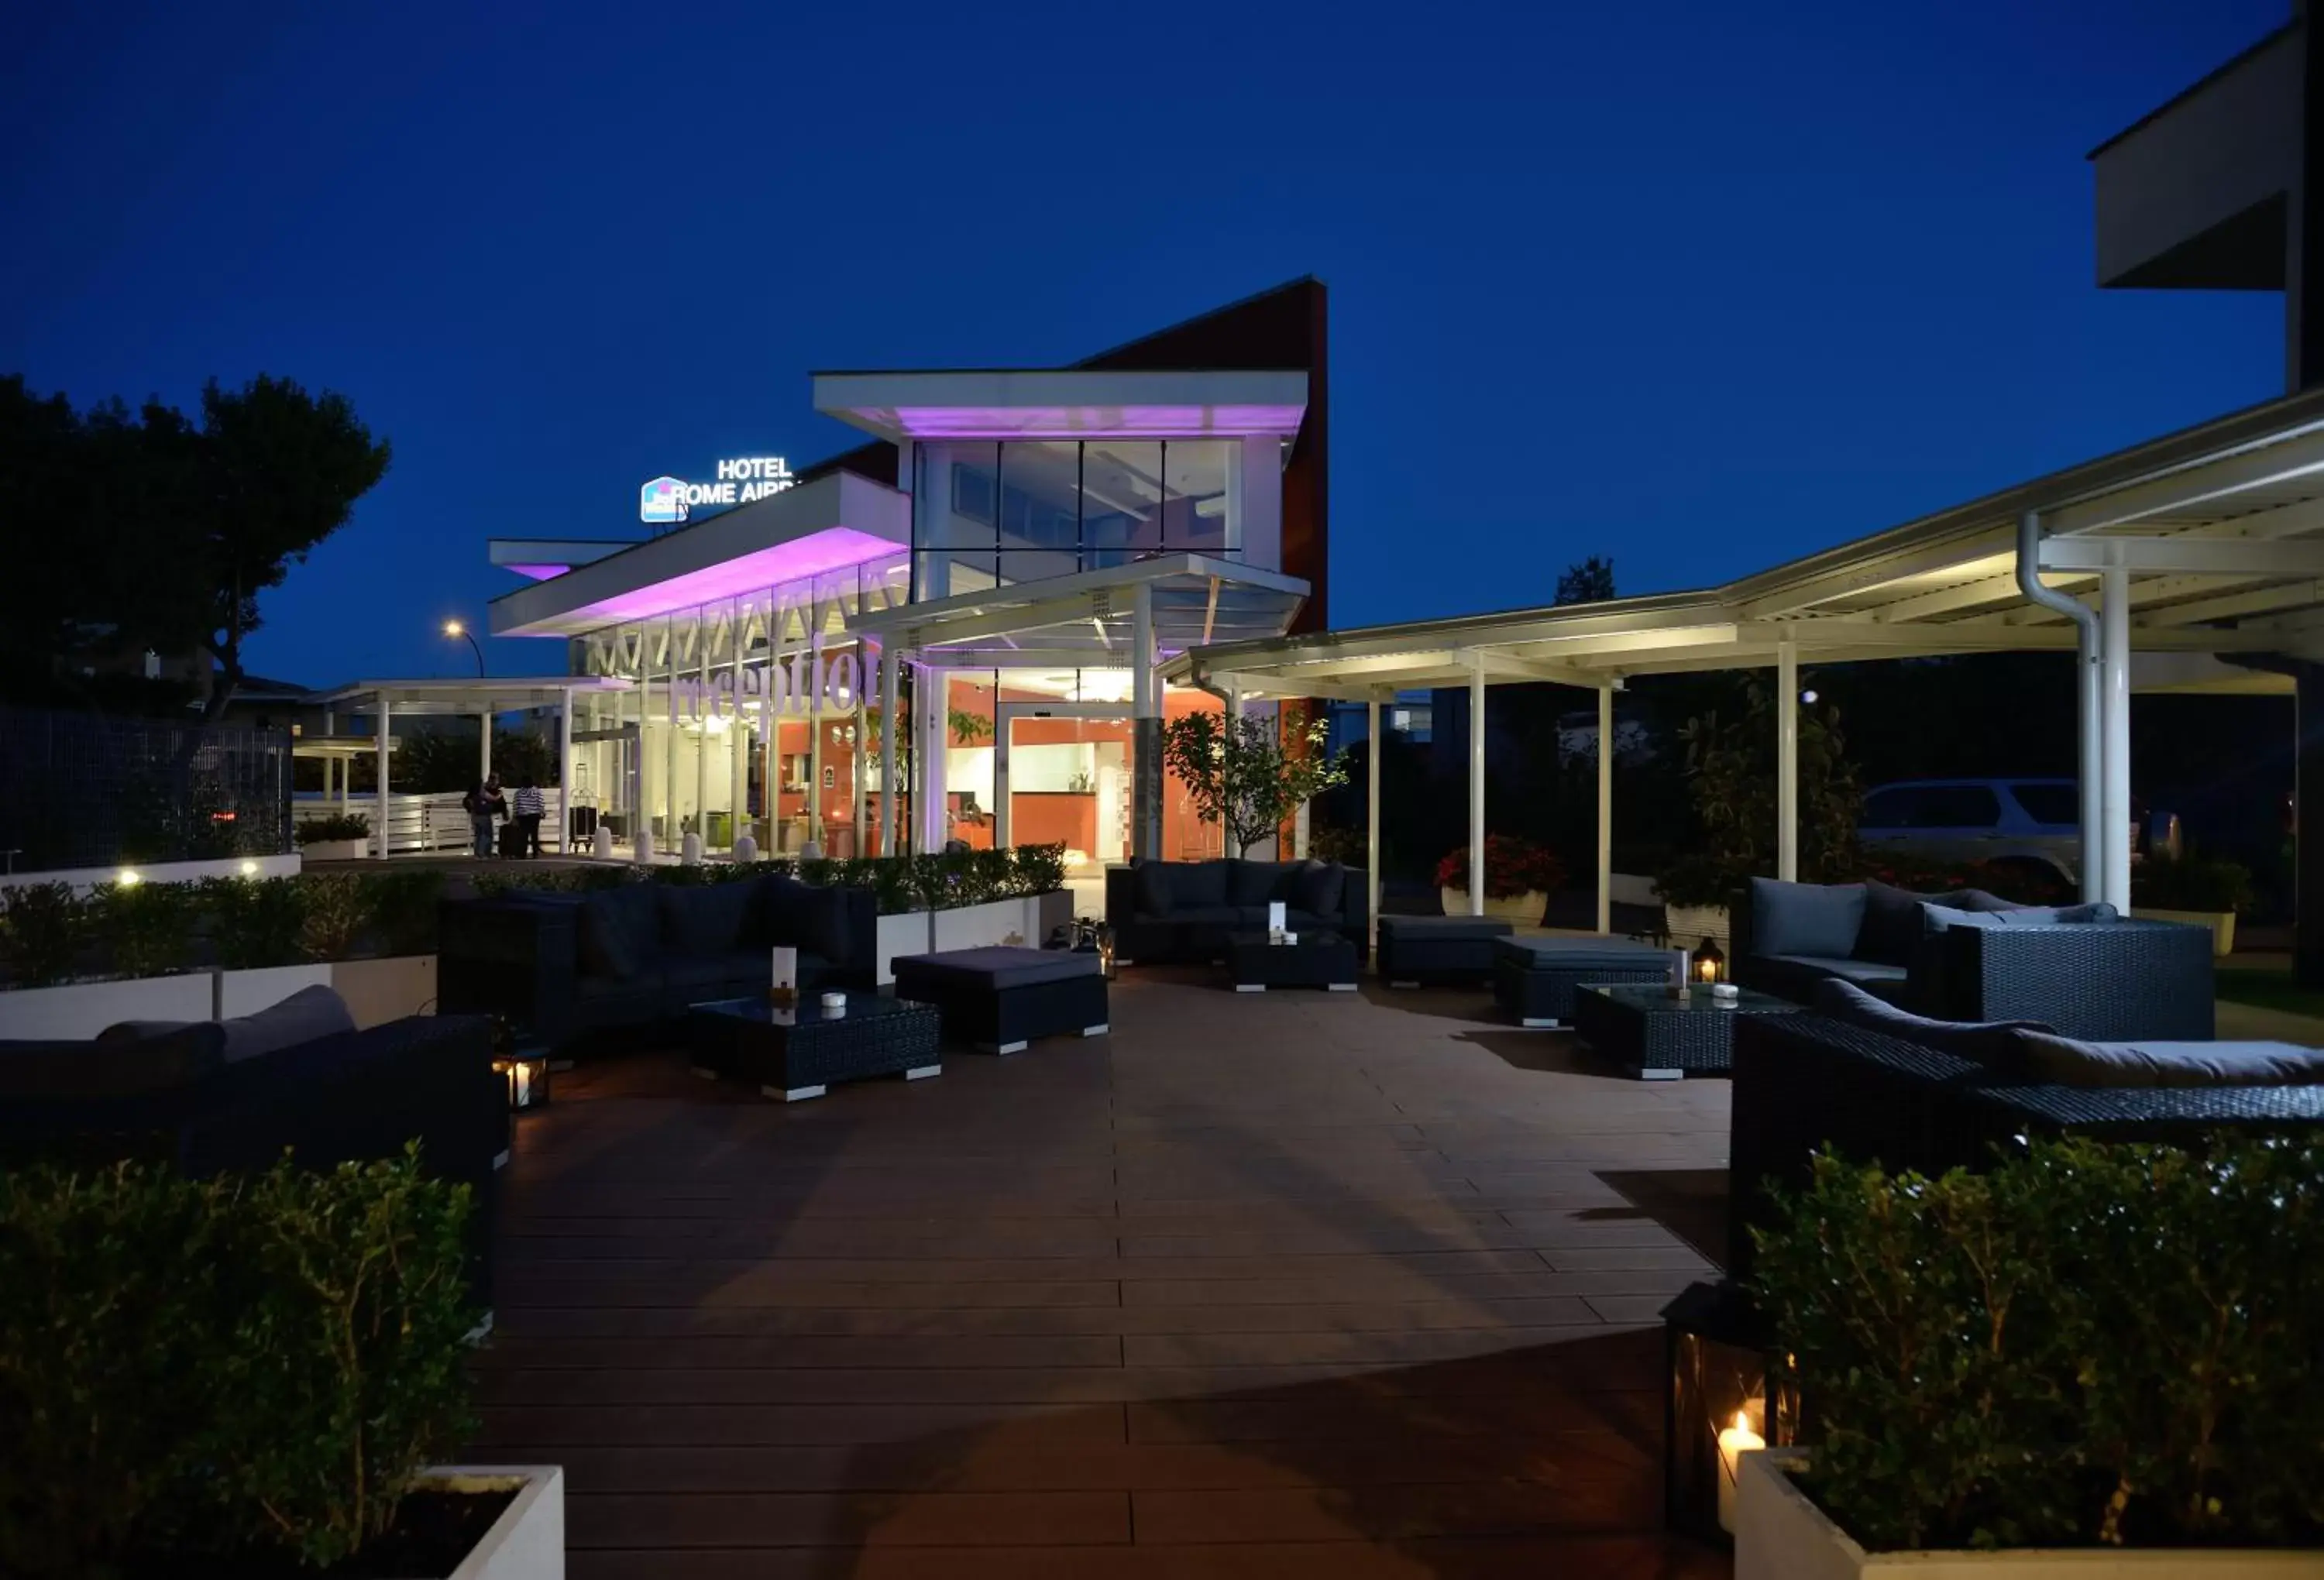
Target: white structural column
564, 773
702, 733
814, 747
1476, 784
669, 844
1145, 730
1003, 824
1371, 822
1787, 760
931, 702
484, 745
2114, 813
859, 699
891, 781
384, 748
1606, 808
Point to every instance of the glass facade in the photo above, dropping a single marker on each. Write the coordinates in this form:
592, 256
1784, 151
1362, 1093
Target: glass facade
987, 511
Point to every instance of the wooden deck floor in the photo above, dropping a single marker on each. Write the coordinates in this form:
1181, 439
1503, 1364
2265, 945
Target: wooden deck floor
1281, 1285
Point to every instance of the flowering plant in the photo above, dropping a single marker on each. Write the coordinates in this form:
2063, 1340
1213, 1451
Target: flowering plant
1513, 867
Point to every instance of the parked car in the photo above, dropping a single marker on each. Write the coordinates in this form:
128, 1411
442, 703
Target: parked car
2033, 820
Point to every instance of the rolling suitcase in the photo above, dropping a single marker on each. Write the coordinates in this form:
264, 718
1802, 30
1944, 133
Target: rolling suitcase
512, 838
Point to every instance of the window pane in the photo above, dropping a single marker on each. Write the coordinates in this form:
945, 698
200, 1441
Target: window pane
956, 499
2050, 804
1121, 500
1194, 494
1039, 508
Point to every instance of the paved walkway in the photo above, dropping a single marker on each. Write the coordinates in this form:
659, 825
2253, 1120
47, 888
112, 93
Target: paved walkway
1300, 1284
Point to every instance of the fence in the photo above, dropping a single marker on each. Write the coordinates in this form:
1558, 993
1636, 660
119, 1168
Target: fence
421, 823
82, 790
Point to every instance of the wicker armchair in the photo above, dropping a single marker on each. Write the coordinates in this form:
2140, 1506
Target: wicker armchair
1803, 1082
2102, 980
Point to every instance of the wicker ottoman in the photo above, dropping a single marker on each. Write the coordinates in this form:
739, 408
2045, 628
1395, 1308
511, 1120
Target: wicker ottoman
1533, 979
1416, 950
998, 999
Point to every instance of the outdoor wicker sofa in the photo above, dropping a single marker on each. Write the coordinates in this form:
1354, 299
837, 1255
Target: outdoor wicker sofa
1803, 1081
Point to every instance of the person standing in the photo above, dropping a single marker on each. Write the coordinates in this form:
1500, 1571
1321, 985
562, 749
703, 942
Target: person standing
478, 805
529, 810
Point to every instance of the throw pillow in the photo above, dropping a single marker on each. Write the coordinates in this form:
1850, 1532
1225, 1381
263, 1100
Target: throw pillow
1892, 922
1992, 1044
114, 1066
1936, 918
1806, 918
704, 920
1256, 883
1196, 884
1154, 888
618, 930
307, 1015
2071, 1062
807, 916
1320, 889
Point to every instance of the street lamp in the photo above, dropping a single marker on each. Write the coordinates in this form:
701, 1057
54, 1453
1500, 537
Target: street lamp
453, 628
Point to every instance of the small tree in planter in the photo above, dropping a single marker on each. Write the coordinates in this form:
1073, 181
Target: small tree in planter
1246, 775
1518, 873
2108, 1345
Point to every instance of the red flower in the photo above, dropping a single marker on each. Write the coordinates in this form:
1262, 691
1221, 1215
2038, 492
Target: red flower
1512, 866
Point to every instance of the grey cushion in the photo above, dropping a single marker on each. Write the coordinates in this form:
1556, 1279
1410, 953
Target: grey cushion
619, 931
1892, 919
994, 968
2069, 1062
1936, 918
1256, 883
114, 1066
307, 1015
804, 916
1218, 915
1578, 954
1321, 886
1847, 967
1444, 929
1156, 895
1995, 1044
1806, 918
705, 919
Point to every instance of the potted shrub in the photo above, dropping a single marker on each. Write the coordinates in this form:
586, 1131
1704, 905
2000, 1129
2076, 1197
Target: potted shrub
248, 1373
1519, 878
343, 836
2093, 1358
2190, 890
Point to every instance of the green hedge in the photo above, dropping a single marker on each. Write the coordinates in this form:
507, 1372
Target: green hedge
903, 883
2089, 1344
224, 1365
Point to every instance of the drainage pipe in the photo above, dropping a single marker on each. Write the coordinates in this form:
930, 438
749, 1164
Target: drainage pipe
2100, 821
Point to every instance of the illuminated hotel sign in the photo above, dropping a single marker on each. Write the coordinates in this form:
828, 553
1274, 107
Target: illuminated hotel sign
668, 500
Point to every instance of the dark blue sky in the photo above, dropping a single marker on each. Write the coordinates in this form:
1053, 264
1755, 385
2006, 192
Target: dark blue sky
1699, 286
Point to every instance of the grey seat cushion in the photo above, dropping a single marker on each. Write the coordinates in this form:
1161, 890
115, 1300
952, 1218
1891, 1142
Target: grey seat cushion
1216, 915
2069, 1061
306, 1016
1806, 918
1936, 918
1847, 968
995, 968
166, 1058
1578, 954
1444, 929
706, 918
619, 931
1993, 1043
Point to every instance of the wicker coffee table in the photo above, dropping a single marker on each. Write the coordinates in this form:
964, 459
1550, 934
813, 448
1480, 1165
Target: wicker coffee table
803, 1051
1663, 1038
1319, 959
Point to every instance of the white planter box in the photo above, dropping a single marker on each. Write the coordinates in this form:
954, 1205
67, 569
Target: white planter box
1523, 909
527, 1542
82, 880
241, 993
80, 1010
1689, 925
2222, 924
904, 934
1010, 922
336, 849
1781, 1535
382, 990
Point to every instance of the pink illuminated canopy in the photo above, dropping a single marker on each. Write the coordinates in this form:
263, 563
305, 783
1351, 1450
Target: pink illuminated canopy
830, 549
1159, 422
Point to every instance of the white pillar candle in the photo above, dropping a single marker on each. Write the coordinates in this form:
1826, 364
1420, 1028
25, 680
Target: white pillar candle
1733, 1442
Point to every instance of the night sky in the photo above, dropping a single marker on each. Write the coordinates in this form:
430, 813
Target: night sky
1700, 285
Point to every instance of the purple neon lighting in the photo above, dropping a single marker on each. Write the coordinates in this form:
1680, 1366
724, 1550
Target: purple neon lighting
1064, 422
539, 573
830, 549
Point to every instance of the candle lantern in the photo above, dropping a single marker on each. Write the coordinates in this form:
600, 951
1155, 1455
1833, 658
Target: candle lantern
1710, 964
527, 1075
1722, 1399
1106, 952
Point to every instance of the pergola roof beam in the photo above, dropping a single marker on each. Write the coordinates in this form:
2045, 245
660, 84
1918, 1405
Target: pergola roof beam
2216, 557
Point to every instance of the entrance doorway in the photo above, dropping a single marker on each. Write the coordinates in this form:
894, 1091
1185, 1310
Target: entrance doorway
1061, 775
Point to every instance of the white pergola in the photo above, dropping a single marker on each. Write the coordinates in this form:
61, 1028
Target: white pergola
483, 698
2203, 545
